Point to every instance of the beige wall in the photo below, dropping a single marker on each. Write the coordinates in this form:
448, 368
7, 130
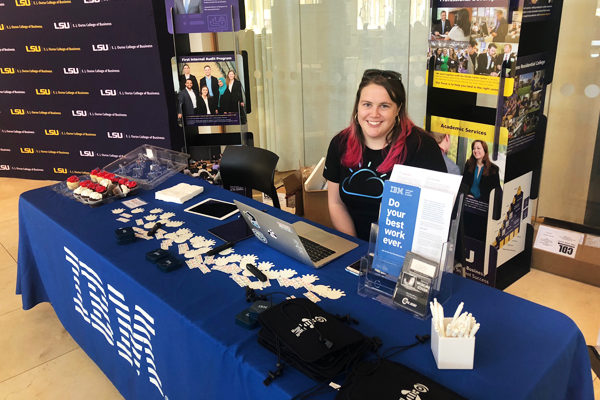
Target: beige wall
573, 116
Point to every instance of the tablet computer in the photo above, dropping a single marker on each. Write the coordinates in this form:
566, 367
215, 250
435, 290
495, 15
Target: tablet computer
233, 231
213, 208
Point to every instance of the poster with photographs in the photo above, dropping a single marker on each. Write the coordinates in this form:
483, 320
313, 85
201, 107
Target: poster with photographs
210, 89
469, 42
479, 158
524, 107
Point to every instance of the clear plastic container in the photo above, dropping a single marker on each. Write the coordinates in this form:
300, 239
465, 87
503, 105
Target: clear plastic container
149, 165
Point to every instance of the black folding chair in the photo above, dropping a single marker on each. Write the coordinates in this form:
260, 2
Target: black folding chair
250, 167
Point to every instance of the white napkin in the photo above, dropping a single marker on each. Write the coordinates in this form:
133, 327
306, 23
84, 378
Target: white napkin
179, 193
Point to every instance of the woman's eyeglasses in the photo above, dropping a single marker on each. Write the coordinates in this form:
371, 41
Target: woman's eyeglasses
385, 73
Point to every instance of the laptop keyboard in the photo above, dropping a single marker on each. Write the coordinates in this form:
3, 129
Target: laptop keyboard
315, 251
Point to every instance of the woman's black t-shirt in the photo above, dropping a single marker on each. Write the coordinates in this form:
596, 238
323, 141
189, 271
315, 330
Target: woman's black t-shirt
361, 188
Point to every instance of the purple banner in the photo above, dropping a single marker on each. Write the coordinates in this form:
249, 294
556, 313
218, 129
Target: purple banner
75, 91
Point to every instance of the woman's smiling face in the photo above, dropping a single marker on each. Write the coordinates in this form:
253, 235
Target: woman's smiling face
376, 115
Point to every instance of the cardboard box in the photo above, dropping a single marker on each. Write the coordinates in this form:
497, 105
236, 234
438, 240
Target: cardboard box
585, 267
316, 207
289, 192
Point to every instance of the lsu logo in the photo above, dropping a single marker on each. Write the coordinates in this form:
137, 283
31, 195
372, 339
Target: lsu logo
4, 167
7, 71
62, 25
79, 113
90, 1
70, 71
33, 49
86, 153
22, 3
100, 47
60, 170
17, 111
42, 92
114, 135
27, 150
108, 92
51, 132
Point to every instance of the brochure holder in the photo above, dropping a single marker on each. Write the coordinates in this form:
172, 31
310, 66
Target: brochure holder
388, 289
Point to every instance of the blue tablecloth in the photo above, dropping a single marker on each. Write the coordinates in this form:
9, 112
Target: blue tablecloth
173, 335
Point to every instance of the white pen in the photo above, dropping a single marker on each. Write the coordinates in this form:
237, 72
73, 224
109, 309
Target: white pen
469, 322
474, 331
457, 313
448, 330
440, 316
433, 316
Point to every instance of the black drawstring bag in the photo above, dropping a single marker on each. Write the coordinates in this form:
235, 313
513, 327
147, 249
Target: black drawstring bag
311, 340
383, 379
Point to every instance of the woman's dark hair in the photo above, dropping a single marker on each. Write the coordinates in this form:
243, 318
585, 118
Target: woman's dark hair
472, 161
353, 140
462, 20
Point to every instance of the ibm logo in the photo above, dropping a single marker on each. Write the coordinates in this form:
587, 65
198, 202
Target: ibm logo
17, 111
27, 150
23, 3
7, 71
71, 71
51, 132
62, 25
42, 92
79, 113
114, 135
100, 47
33, 49
108, 92
60, 170
4, 167
86, 153
127, 328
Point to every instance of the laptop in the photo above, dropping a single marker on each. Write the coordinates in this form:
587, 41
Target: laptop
301, 241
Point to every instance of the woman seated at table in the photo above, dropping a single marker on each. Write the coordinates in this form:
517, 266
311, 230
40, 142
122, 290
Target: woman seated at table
361, 157
480, 173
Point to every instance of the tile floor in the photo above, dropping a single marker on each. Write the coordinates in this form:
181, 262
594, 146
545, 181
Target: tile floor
40, 360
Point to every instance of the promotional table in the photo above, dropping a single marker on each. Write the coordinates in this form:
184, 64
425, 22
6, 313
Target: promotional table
173, 335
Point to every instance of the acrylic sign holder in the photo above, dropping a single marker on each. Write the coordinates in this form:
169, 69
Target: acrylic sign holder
380, 286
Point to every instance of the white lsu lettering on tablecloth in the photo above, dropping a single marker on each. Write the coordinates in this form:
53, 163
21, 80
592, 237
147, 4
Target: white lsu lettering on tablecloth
135, 333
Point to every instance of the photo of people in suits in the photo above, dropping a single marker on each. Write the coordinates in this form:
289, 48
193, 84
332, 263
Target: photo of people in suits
214, 99
473, 57
187, 6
